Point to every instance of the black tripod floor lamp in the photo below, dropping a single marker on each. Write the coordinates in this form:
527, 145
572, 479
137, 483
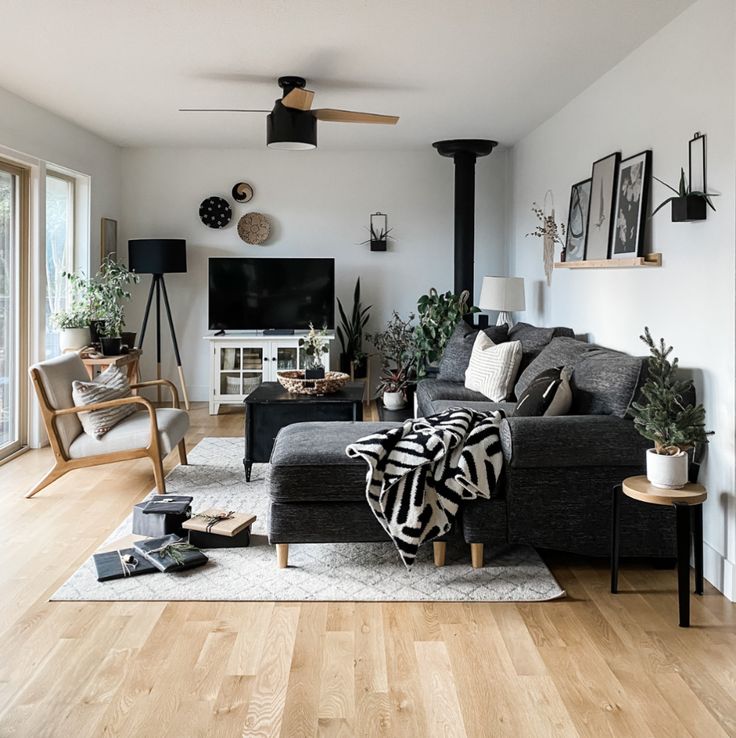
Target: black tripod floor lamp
159, 256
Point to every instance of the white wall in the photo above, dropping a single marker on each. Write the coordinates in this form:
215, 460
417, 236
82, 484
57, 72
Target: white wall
678, 82
319, 205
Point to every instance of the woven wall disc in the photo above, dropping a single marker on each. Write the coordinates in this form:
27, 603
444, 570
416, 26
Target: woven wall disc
254, 228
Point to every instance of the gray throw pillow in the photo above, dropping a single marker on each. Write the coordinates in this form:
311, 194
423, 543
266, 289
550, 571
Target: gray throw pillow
533, 340
459, 347
559, 352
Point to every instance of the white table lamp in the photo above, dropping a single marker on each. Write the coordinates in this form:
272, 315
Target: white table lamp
503, 294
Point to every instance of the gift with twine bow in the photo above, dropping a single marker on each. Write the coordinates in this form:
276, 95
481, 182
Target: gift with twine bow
221, 522
170, 553
121, 564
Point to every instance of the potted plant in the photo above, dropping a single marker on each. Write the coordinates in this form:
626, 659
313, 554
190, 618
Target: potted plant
73, 326
666, 418
378, 238
439, 314
350, 333
686, 204
396, 345
315, 345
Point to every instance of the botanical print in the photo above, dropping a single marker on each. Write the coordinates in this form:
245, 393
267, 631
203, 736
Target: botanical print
577, 221
630, 201
602, 192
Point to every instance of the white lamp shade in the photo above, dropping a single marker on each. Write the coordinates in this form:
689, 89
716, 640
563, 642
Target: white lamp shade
502, 293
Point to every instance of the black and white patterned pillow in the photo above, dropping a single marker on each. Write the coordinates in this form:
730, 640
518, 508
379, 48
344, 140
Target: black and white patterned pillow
547, 394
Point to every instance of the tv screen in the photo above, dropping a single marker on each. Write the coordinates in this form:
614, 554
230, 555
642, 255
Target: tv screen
259, 294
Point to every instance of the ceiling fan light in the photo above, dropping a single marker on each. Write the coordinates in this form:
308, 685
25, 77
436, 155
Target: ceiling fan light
290, 129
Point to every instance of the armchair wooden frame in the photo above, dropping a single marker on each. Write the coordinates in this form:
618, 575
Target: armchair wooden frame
63, 463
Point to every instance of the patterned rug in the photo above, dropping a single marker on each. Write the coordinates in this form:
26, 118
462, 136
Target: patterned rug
345, 571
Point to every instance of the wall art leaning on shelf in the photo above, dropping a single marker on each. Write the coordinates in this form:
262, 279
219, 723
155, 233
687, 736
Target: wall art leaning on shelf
632, 198
602, 204
577, 221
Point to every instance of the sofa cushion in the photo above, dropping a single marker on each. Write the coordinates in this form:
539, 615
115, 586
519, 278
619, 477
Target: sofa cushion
482, 406
559, 352
604, 382
493, 367
534, 339
456, 356
430, 390
547, 395
309, 463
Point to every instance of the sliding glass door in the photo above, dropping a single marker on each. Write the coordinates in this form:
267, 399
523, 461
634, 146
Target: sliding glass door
13, 318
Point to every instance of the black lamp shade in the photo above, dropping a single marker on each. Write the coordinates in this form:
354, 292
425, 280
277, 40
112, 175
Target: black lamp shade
291, 129
157, 255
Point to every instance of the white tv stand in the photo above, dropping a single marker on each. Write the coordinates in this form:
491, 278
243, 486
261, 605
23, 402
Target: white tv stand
239, 362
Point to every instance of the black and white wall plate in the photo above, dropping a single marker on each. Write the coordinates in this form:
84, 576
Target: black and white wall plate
215, 212
242, 192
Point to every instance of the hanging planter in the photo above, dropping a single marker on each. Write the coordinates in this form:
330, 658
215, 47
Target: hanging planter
379, 231
549, 232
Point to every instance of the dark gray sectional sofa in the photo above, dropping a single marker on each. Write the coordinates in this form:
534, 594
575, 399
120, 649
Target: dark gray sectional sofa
559, 471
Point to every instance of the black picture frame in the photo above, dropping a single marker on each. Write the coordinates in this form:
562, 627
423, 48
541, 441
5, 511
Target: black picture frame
577, 220
696, 175
602, 207
632, 203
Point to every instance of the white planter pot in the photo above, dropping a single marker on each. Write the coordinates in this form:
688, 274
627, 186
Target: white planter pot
73, 338
394, 400
667, 472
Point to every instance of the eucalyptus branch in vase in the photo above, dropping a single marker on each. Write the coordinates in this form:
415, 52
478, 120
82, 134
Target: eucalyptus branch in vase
551, 233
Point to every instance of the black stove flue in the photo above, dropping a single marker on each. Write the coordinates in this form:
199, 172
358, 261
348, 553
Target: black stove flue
464, 152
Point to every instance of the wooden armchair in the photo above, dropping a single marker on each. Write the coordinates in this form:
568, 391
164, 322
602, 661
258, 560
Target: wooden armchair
152, 434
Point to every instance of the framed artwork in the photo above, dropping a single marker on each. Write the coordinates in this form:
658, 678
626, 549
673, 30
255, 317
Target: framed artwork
696, 163
632, 198
577, 221
108, 239
601, 210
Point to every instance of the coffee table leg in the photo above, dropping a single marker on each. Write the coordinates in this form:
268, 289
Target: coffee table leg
615, 515
683, 562
697, 521
249, 428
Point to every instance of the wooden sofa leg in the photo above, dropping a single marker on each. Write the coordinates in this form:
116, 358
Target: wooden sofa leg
158, 473
440, 549
51, 476
476, 555
282, 555
182, 453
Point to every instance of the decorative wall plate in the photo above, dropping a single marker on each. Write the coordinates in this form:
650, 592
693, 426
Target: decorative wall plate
215, 212
242, 192
254, 228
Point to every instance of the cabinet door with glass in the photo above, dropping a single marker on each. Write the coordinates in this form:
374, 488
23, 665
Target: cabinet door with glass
240, 369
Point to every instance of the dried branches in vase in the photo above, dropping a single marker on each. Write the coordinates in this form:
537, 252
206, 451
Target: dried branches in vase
550, 233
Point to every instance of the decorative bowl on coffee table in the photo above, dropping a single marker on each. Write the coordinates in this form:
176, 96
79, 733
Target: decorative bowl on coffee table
294, 381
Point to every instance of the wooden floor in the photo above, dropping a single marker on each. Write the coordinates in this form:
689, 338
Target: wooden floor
591, 665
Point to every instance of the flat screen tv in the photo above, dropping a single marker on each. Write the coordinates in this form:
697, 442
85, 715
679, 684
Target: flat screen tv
261, 294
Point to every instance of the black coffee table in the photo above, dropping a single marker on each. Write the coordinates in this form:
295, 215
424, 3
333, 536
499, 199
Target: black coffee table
270, 407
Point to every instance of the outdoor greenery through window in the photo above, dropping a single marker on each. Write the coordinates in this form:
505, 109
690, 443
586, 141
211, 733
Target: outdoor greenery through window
59, 250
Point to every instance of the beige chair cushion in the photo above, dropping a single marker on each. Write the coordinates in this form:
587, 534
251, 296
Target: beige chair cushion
112, 384
57, 376
135, 432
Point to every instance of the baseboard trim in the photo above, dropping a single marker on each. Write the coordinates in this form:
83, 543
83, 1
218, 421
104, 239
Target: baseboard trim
719, 571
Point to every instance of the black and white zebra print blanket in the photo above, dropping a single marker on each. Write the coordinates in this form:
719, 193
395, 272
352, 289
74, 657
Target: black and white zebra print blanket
420, 473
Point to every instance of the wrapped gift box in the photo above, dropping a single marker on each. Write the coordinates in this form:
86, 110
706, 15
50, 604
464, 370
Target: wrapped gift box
167, 504
171, 553
125, 562
153, 521
217, 528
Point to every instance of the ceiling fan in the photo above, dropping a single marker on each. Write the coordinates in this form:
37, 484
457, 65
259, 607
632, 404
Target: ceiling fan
292, 124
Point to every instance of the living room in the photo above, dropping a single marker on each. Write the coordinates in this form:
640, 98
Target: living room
563, 603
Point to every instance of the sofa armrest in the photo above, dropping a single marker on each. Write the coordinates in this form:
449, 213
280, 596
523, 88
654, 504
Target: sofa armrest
572, 441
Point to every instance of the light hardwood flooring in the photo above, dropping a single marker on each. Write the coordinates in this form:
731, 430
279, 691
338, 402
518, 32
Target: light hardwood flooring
591, 665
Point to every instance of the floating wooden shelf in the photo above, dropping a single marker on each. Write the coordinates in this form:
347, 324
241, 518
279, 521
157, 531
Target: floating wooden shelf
650, 260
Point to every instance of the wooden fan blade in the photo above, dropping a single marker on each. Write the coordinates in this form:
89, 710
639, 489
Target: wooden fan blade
220, 110
298, 99
351, 116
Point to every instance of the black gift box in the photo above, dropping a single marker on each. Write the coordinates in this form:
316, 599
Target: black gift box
113, 565
167, 505
155, 525
213, 540
170, 553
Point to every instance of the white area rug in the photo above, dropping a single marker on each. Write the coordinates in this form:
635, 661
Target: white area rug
345, 571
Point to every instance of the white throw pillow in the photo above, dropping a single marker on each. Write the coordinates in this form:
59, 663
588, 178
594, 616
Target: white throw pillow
110, 385
493, 367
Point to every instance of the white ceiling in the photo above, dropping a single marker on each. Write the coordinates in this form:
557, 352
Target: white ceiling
458, 68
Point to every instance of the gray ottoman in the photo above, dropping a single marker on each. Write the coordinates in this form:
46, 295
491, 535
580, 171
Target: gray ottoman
317, 492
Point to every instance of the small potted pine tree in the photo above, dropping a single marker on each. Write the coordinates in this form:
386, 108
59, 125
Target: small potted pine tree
667, 418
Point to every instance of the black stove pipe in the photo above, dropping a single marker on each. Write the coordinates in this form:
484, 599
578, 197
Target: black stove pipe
464, 153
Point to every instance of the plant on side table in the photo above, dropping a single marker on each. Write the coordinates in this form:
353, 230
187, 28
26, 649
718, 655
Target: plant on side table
353, 360
439, 314
396, 345
315, 345
108, 293
666, 418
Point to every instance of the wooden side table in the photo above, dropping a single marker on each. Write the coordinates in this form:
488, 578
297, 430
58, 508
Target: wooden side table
688, 504
125, 362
